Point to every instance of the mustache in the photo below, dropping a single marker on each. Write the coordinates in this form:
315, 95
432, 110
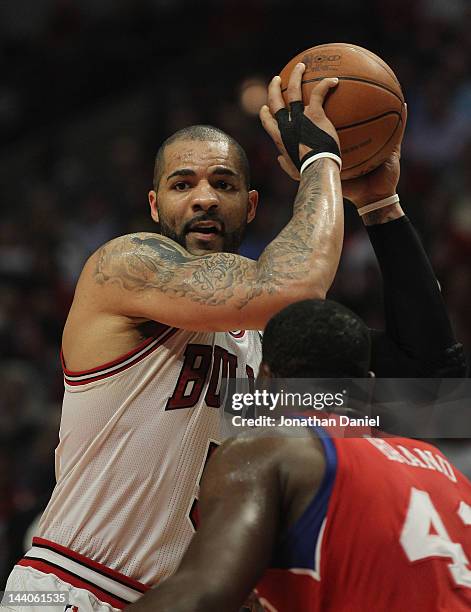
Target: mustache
205, 217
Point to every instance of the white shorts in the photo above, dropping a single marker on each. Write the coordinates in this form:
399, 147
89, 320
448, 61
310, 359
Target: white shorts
27, 580
66, 581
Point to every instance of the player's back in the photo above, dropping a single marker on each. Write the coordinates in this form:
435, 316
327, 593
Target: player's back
134, 437
389, 530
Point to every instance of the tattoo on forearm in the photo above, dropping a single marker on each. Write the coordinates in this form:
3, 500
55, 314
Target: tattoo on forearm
290, 254
143, 262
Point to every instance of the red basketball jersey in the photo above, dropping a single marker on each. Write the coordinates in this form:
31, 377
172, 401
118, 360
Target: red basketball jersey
388, 531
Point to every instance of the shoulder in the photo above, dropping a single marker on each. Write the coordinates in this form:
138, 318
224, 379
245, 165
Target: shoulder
140, 243
275, 447
131, 258
290, 462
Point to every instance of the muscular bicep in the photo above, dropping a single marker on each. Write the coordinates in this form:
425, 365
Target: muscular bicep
150, 276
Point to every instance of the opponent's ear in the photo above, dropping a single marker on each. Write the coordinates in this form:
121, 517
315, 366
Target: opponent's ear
154, 213
264, 373
252, 206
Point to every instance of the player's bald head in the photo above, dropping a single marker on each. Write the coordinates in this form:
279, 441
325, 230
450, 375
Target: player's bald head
202, 133
317, 339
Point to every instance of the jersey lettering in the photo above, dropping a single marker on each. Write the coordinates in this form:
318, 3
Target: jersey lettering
422, 458
199, 360
424, 535
192, 377
225, 361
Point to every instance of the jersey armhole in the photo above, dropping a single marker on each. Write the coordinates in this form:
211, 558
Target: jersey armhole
298, 545
121, 363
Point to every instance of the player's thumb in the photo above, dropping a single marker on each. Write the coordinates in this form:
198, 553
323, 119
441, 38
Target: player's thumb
400, 131
289, 168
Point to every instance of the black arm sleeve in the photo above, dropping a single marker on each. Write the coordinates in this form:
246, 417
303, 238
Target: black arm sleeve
418, 340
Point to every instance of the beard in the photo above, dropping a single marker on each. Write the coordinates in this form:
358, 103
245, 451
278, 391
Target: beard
231, 240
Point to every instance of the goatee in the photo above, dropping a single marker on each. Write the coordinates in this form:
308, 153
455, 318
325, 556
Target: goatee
231, 240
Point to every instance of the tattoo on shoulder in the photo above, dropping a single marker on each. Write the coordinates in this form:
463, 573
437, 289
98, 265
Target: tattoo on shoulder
167, 250
139, 263
144, 262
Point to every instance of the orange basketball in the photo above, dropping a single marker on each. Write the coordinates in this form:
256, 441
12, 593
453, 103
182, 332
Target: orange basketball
366, 107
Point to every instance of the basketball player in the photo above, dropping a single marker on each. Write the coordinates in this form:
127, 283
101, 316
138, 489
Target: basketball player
324, 522
157, 325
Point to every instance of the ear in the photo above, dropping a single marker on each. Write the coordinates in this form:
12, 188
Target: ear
154, 213
264, 372
252, 207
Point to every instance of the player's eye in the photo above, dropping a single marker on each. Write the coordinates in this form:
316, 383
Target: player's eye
180, 186
224, 186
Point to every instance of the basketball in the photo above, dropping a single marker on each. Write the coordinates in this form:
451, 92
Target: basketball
366, 107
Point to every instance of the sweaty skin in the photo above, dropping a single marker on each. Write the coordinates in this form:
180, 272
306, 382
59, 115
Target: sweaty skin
254, 488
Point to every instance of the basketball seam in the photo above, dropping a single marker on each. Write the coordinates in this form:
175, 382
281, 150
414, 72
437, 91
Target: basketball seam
369, 54
346, 127
379, 150
382, 64
350, 78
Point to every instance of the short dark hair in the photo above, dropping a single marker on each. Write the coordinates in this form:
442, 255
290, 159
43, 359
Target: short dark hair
317, 339
206, 133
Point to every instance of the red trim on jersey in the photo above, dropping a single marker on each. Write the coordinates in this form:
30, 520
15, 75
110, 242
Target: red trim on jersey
47, 568
103, 569
238, 334
74, 383
108, 364
99, 372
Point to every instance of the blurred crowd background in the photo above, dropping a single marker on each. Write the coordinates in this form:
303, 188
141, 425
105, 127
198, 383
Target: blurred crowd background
89, 89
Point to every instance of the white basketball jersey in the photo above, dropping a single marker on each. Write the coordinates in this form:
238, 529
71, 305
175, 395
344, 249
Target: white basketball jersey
134, 437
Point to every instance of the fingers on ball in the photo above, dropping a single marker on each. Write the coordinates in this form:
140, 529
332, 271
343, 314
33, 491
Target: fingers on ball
275, 97
321, 89
293, 93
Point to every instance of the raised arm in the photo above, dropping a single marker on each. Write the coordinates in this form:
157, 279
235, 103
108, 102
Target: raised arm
151, 277
418, 339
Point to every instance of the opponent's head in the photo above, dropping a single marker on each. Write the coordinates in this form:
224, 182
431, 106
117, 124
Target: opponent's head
316, 339
201, 196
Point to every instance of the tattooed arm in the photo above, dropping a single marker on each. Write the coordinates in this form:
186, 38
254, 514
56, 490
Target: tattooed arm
146, 276
151, 277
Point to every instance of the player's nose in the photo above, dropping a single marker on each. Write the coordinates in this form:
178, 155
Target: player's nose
204, 197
